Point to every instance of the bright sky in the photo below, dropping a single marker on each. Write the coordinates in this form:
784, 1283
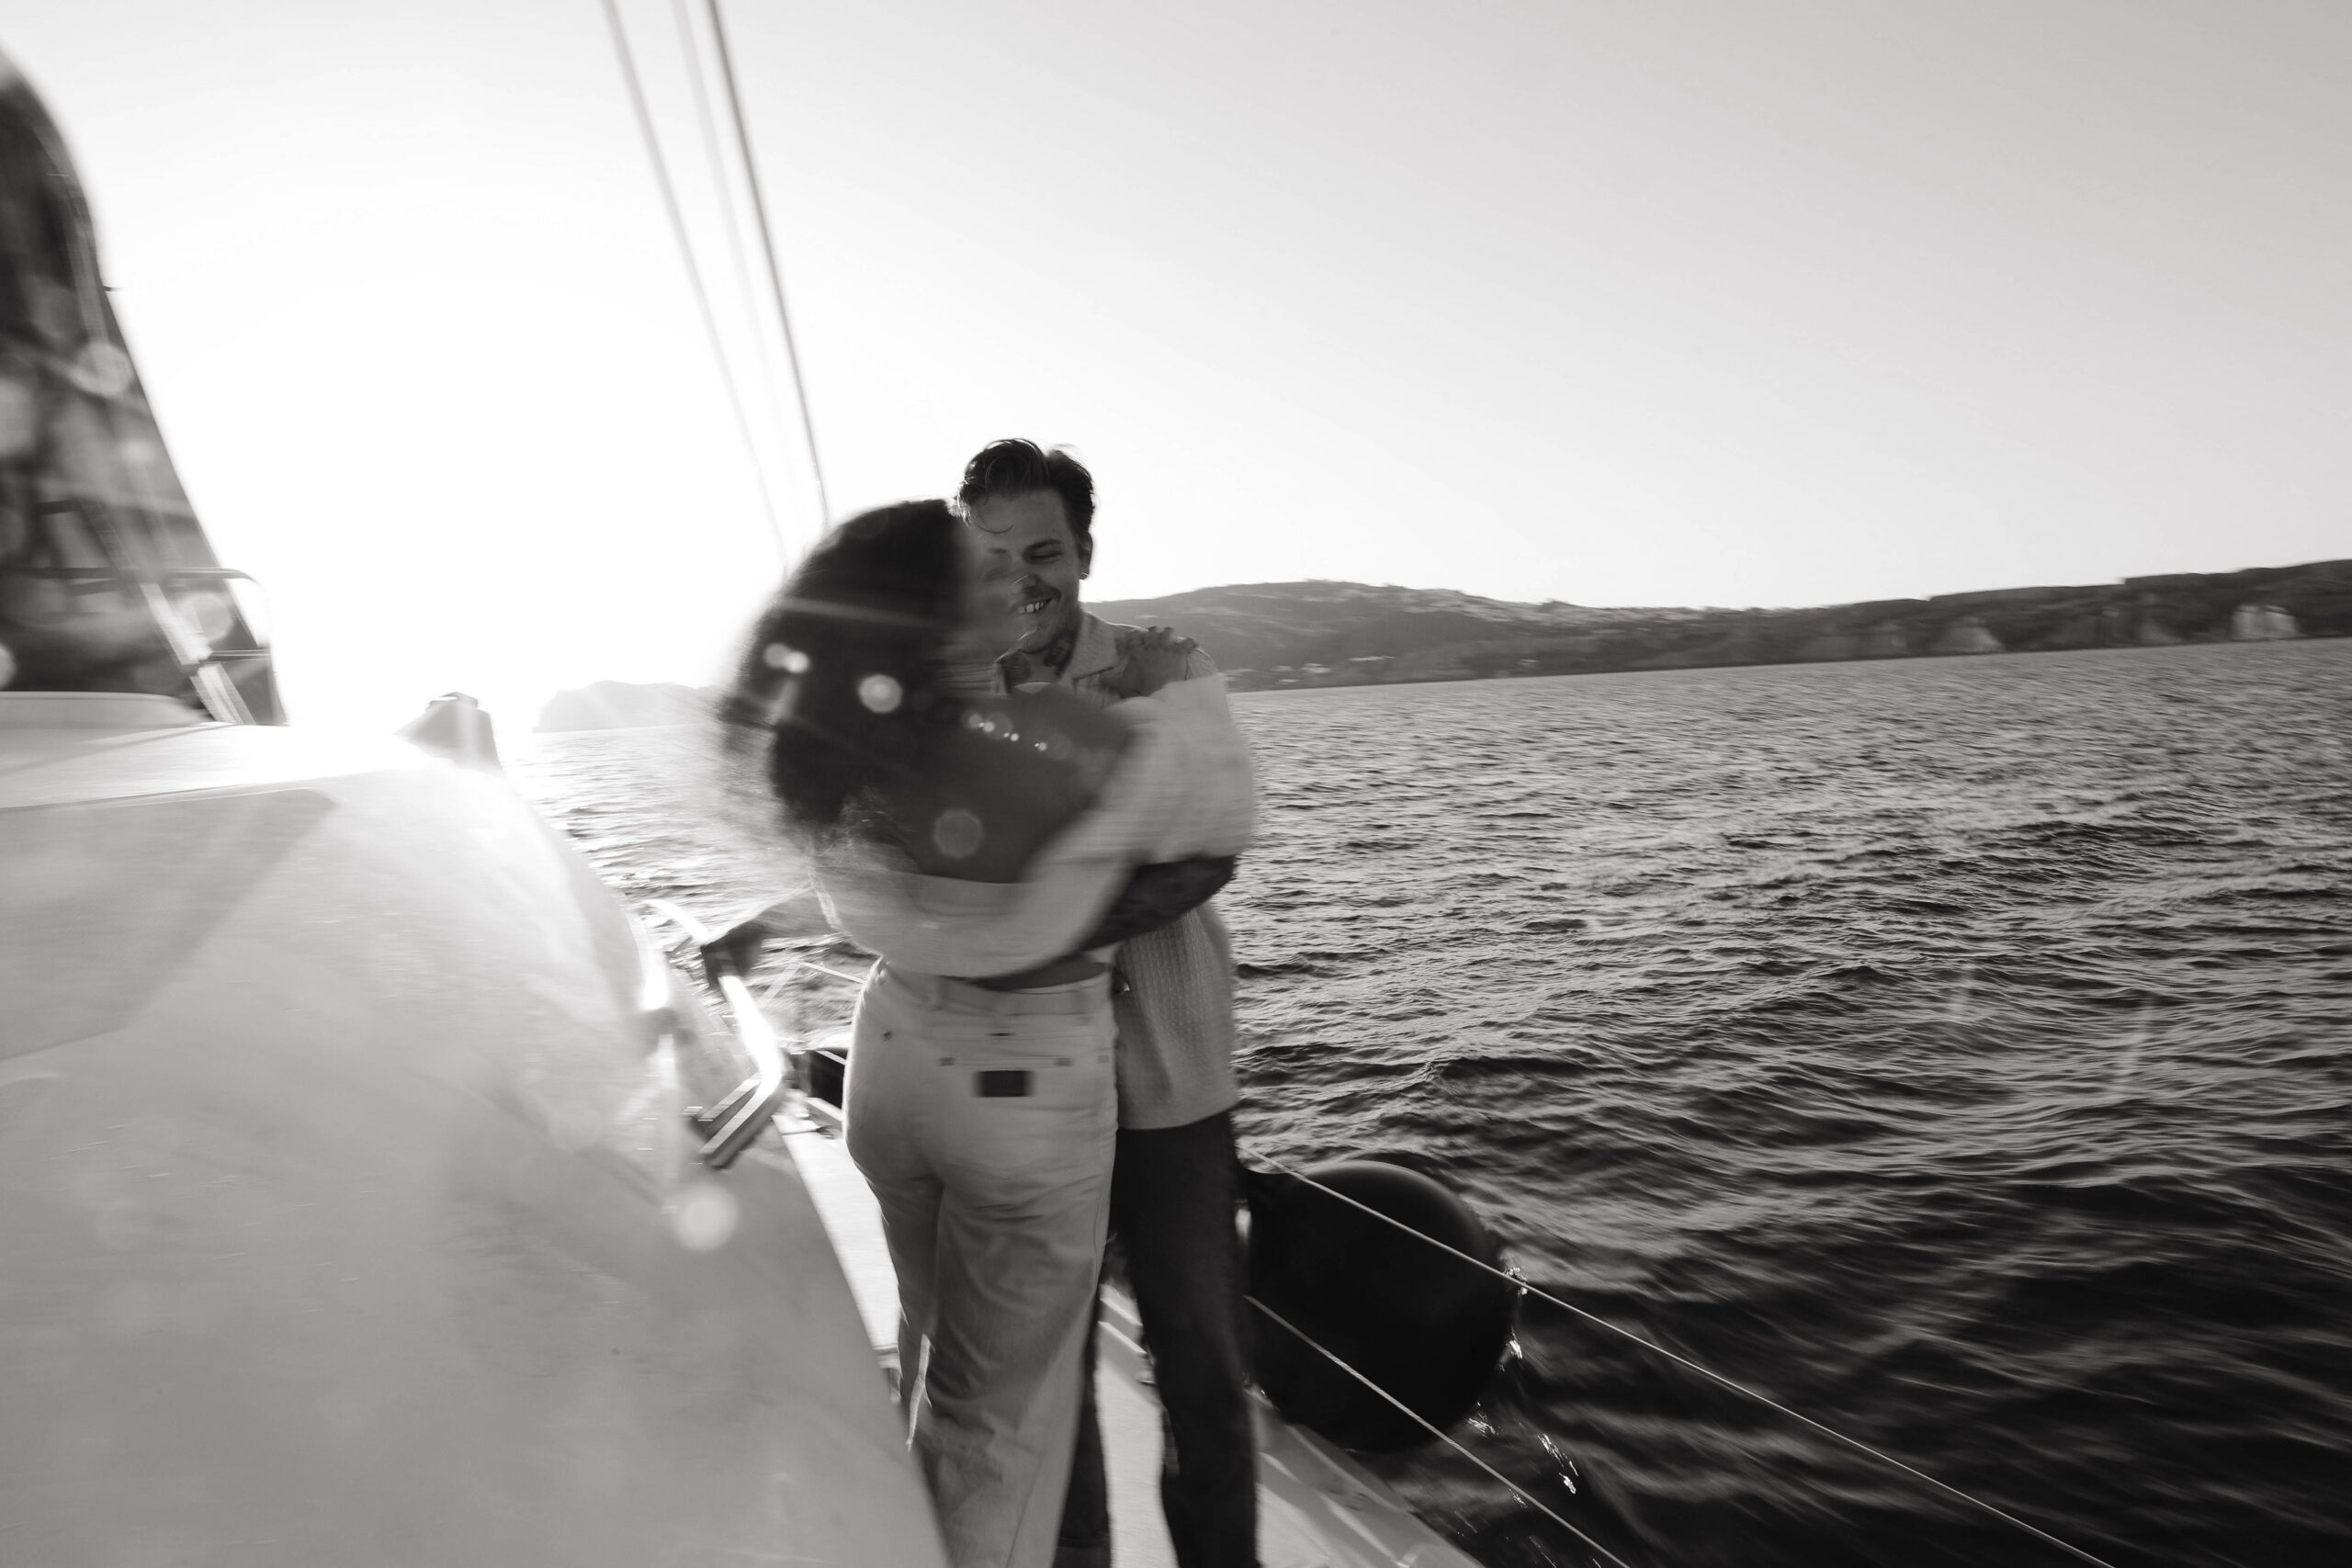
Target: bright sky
1676, 301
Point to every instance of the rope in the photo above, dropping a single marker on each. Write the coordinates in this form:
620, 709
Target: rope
694, 273
1517, 1490
1686, 1362
767, 250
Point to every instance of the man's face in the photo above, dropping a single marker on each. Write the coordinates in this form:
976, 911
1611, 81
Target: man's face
1026, 553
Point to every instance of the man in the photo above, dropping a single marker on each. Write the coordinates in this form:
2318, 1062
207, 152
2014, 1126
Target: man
1176, 1182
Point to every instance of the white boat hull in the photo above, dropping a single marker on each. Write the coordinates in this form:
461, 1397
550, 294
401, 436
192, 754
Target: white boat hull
347, 1209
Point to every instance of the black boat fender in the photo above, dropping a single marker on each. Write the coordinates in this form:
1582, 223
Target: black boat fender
1428, 1326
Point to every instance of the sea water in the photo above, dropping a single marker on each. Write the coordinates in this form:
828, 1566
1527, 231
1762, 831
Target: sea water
1957, 1051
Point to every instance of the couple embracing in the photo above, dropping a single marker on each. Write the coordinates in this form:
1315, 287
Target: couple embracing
1023, 810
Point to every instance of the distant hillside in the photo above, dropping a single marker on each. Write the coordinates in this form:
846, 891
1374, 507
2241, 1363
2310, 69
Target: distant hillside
618, 705
1267, 626
1321, 634
1270, 635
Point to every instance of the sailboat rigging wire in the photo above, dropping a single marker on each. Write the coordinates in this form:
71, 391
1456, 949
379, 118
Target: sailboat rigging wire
693, 272
1516, 1489
1686, 1362
690, 44
768, 249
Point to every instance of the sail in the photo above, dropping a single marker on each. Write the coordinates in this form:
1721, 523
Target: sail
107, 580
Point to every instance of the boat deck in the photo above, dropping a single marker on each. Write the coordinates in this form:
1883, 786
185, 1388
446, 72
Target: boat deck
1316, 1507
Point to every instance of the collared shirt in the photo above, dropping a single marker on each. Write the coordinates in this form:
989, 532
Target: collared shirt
1175, 1020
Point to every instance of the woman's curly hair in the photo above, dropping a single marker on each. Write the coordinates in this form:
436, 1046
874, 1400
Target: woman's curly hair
837, 687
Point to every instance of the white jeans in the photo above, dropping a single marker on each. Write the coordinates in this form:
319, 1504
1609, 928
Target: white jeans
986, 1122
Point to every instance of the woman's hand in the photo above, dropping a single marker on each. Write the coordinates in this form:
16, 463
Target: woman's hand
1148, 661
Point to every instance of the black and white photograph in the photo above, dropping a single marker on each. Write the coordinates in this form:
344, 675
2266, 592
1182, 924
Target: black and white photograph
898, 784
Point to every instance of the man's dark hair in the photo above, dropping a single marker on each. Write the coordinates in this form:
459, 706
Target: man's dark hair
1004, 470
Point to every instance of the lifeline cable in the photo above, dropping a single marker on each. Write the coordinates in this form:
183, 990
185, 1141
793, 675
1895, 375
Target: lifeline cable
1856, 1443
767, 250
694, 273
777, 983
1517, 1490
1693, 1366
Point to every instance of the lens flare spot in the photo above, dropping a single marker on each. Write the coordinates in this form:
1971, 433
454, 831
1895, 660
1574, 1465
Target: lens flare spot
791, 661
958, 833
100, 369
211, 614
704, 1217
880, 693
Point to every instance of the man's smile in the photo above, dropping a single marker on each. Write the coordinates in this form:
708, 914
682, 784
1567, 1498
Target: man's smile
1027, 565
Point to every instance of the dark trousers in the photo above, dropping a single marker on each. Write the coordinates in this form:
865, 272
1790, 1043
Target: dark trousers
1174, 1195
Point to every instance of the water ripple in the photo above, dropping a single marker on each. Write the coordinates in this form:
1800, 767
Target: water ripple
1957, 1050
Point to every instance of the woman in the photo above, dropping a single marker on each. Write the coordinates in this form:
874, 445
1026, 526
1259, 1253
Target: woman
972, 839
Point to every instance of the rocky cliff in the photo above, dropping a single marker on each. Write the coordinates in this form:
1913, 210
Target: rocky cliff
618, 705
1315, 634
